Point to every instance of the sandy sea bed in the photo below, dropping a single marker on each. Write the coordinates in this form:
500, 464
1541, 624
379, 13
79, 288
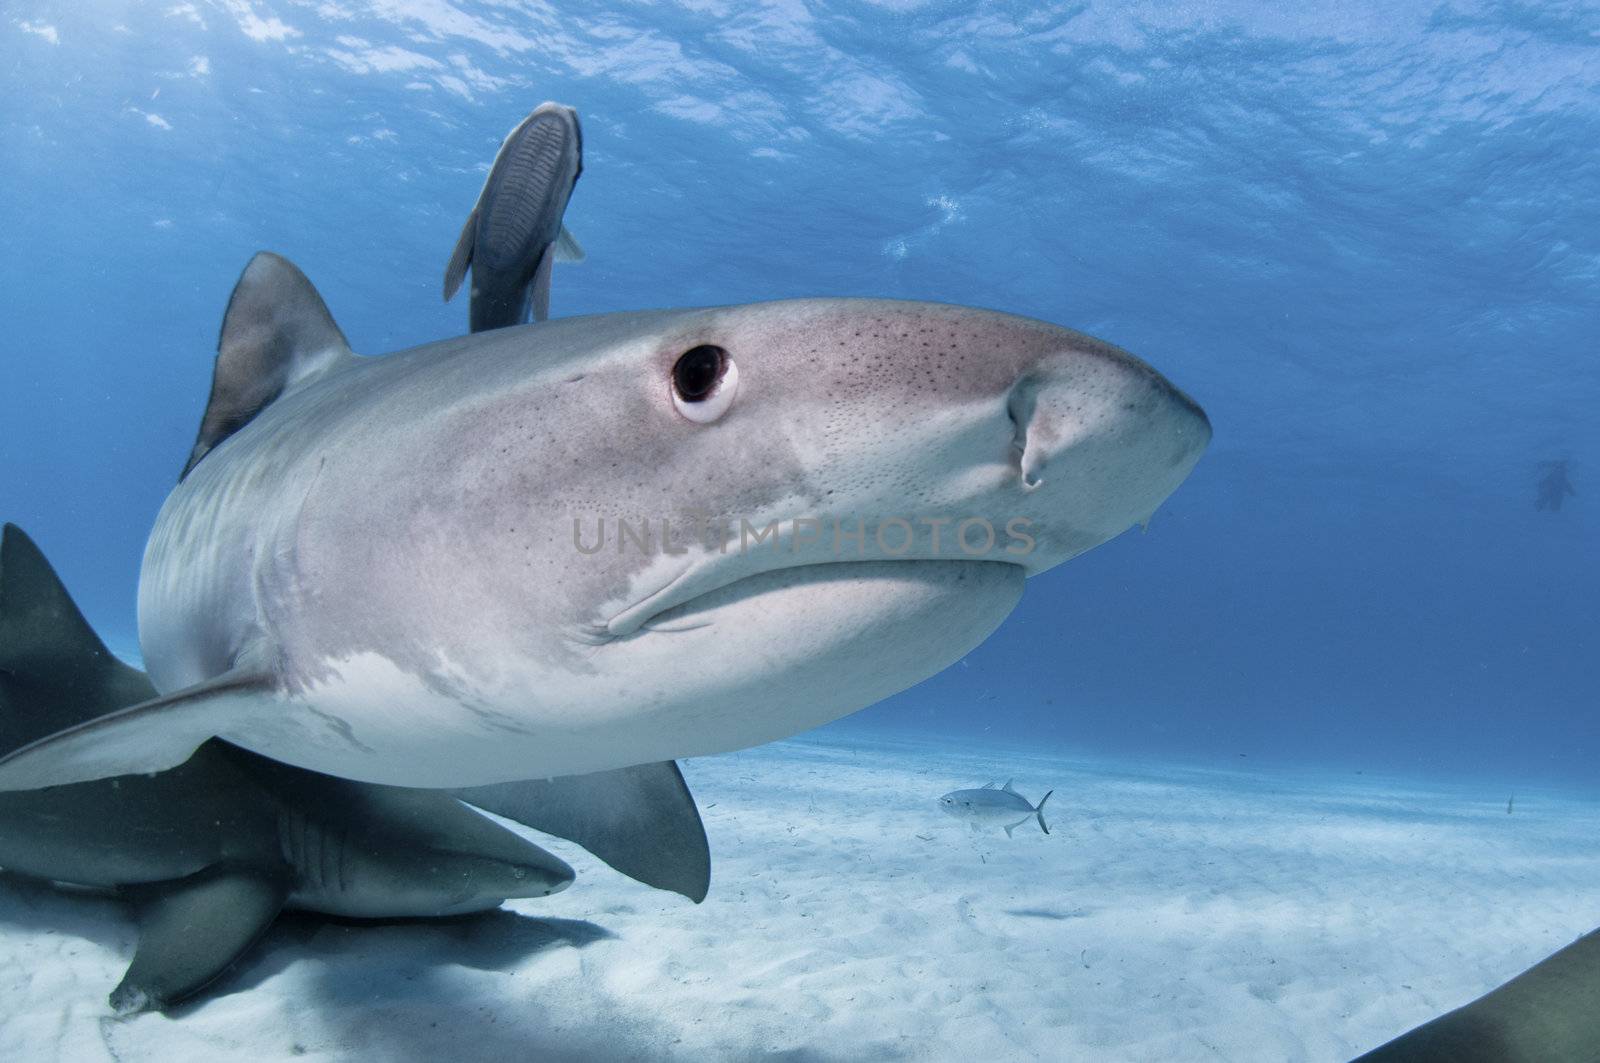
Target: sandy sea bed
1173, 914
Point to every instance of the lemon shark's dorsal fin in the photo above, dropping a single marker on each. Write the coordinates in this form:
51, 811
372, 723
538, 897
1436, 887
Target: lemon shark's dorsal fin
54, 670
276, 334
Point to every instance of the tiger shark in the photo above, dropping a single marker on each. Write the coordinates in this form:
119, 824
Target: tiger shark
386, 568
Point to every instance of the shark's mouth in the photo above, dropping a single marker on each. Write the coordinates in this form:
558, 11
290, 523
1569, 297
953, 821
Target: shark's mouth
688, 601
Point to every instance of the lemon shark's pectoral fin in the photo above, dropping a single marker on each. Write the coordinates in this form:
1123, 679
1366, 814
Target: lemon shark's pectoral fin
192, 931
148, 737
55, 672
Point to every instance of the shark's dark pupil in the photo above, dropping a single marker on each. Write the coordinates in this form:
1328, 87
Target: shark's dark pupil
697, 372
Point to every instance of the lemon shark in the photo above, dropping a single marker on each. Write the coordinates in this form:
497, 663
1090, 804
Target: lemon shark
384, 568
212, 850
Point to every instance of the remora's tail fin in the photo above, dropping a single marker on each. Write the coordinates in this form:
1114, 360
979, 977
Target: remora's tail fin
461, 257
1038, 810
567, 247
55, 672
539, 293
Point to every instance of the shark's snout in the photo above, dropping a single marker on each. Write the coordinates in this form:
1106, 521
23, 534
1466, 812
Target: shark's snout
1099, 440
549, 874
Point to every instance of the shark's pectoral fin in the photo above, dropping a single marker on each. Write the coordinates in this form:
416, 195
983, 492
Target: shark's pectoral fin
567, 247
461, 257
148, 737
539, 292
191, 931
641, 820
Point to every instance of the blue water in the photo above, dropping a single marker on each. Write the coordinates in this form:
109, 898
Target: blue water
1367, 241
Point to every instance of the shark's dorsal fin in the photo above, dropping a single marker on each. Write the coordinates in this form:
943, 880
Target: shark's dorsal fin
276, 334
54, 671
1008, 788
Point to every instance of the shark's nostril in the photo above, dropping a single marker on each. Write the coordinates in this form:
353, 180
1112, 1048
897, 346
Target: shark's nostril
1020, 408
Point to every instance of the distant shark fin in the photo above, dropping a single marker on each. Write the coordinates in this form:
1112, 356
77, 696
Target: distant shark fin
191, 931
1543, 1015
54, 671
461, 257
567, 247
148, 737
642, 821
277, 333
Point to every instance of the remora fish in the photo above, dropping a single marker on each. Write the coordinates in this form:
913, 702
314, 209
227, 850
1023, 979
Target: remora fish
373, 567
514, 234
987, 806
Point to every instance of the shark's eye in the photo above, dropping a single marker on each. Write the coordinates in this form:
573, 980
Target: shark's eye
704, 382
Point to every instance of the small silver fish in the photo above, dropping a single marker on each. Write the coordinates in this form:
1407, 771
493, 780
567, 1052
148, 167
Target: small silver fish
989, 805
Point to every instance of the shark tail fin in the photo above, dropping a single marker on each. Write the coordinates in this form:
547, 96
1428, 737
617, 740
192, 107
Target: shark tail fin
55, 672
1038, 810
